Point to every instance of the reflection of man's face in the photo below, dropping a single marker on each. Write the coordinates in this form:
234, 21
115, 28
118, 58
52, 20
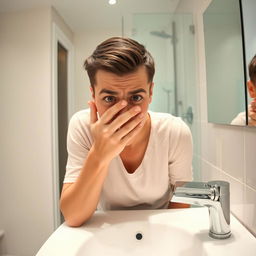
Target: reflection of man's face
111, 88
251, 88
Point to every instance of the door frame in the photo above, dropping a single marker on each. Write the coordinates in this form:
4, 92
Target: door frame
59, 37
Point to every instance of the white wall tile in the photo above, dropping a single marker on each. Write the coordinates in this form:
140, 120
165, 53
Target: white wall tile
250, 156
209, 172
204, 171
207, 142
196, 168
250, 209
231, 150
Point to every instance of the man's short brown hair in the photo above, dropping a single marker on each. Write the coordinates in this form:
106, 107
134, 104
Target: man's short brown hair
252, 70
120, 56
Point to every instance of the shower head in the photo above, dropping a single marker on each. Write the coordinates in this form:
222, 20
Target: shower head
162, 34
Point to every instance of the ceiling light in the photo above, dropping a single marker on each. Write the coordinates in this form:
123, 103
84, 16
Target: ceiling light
112, 2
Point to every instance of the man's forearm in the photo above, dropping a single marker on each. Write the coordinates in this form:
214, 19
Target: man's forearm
79, 200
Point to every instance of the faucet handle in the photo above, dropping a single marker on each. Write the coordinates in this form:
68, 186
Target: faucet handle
222, 185
224, 196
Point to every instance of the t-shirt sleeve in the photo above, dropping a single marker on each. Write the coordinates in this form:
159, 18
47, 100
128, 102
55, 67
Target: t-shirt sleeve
240, 119
180, 156
78, 146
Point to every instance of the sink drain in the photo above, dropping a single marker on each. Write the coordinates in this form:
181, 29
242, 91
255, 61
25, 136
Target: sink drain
139, 236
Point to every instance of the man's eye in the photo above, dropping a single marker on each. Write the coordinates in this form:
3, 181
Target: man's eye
136, 98
109, 99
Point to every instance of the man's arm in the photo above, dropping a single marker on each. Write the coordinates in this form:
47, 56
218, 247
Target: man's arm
79, 200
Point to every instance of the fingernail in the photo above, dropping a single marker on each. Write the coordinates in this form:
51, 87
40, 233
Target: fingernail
123, 103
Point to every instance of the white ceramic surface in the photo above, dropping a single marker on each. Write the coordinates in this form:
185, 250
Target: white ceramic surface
181, 232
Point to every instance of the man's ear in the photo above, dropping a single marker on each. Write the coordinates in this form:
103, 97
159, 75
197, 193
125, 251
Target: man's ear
251, 89
92, 92
151, 91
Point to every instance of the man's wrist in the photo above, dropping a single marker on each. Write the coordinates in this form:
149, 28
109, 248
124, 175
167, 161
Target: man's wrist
100, 161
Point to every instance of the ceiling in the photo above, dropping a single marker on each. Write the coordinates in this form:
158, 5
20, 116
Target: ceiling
86, 14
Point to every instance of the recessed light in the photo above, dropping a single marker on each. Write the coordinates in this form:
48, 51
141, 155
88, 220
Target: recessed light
112, 2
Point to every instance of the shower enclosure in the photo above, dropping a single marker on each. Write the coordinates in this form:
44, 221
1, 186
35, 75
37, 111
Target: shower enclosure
170, 39
169, 91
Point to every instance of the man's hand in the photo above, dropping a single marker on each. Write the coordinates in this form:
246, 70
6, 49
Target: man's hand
252, 113
113, 131
253, 105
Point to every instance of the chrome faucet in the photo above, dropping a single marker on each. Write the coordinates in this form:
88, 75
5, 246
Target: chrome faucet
214, 195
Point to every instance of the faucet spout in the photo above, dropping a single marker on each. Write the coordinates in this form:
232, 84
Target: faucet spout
214, 195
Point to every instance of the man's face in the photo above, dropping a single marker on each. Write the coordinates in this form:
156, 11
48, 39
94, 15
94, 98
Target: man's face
111, 88
251, 88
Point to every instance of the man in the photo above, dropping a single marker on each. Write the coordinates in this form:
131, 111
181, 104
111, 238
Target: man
120, 155
251, 86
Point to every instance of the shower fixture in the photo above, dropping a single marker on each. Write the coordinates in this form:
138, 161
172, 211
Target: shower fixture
168, 93
162, 34
174, 41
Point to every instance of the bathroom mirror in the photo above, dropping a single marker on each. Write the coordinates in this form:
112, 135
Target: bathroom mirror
249, 25
225, 69
165, 27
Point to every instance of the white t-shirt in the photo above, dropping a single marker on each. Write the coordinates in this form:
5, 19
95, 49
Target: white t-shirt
240, 119
168, 158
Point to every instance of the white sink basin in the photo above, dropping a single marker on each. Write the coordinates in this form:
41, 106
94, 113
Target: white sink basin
182, 232
140, 238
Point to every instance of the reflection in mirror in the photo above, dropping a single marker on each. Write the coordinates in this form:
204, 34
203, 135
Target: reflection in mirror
249, 24
168, 33
224, 62
251, 86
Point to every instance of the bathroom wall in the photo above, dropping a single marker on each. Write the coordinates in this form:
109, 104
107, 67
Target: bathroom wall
60, 22
26, 181
228, 152
26, 185
85, 43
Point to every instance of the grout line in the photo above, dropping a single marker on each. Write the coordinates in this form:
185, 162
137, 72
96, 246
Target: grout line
248, 186
227, 174
244, 171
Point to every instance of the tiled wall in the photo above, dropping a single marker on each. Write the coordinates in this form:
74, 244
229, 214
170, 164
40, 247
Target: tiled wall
227, 152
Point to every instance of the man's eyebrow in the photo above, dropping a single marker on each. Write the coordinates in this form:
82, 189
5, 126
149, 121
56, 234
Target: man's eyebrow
108, 92
115, 93
137, 91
